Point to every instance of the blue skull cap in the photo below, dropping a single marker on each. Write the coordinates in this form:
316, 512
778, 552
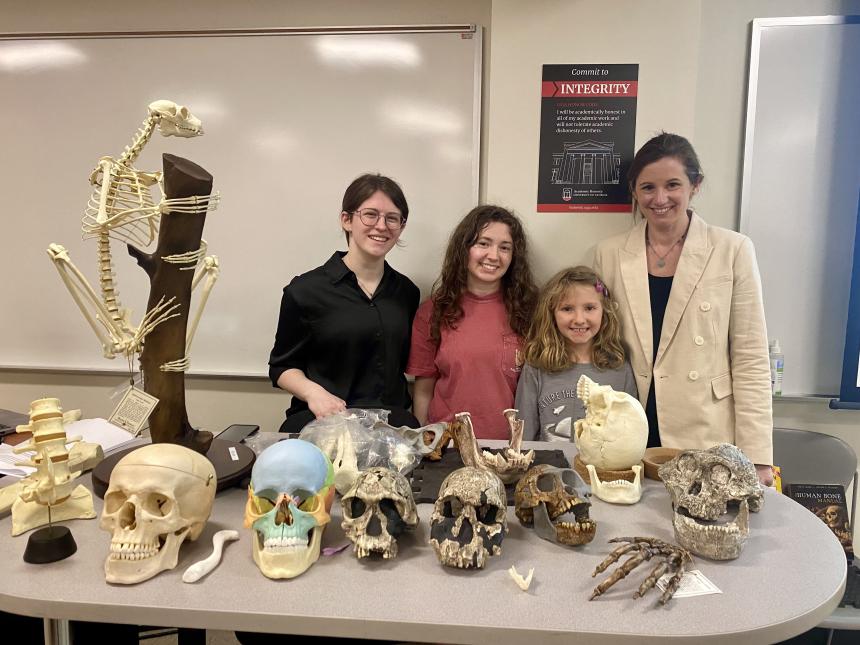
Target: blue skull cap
288, 466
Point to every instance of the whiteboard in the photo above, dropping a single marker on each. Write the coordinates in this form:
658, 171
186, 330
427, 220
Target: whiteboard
290, 118
801, 181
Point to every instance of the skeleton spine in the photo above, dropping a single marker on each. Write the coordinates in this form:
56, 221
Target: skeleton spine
129, 156
110, 294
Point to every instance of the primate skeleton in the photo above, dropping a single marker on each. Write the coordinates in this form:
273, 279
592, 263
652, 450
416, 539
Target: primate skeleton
121, 207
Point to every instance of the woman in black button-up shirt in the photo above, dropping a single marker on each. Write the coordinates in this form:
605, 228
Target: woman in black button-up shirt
344, 327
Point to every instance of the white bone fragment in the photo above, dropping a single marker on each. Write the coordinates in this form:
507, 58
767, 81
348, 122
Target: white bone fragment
201, 568
522, 583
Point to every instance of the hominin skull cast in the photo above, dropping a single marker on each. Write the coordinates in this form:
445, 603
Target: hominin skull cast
158, 496
469, 519
289, 499
614, 433
377, 509
712, 493
554, 501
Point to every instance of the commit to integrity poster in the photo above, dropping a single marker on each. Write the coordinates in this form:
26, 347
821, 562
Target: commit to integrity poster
587, 132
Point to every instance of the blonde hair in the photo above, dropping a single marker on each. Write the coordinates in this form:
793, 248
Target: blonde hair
545, 348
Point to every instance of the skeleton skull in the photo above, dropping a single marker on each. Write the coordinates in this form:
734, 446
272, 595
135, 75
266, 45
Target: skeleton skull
377, 509
176, 120
289, 499
546, 494
614, 432
158, 495
712, 493
469, 519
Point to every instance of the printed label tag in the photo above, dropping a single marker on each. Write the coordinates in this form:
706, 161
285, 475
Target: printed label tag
234, 455
693, 583
133, 410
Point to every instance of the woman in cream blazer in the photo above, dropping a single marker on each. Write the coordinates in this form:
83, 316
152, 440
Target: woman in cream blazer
710, 369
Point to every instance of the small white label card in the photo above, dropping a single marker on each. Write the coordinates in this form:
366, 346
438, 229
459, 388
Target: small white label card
234, 454
133, 410
693, 583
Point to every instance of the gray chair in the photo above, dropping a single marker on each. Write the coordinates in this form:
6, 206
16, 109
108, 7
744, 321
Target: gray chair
806, 457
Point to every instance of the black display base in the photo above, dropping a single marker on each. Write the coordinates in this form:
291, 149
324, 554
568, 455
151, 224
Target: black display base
232, 461
49, 544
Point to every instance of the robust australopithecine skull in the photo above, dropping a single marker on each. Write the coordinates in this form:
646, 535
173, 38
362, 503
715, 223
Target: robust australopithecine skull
614, 433
712, 493
555, 501
176, 120
469, 519
289, 499
376, 510
158, 495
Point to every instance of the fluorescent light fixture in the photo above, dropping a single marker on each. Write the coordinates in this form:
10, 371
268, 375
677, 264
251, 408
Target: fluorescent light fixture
359, 51
38, 55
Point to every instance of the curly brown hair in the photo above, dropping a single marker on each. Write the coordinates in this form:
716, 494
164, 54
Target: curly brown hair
545, 348
519, 292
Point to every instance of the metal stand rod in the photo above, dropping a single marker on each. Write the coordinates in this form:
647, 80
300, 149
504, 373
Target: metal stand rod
57, 632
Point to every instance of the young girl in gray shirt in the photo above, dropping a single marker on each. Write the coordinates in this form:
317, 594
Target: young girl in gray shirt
575, 331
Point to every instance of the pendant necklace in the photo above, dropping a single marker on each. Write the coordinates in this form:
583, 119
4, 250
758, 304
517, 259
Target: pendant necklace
364, 288
661, 259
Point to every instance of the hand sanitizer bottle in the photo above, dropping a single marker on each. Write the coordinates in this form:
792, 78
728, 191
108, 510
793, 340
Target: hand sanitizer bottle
777, 361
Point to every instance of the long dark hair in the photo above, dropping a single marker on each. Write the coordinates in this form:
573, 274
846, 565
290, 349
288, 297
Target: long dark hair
518, 288
362, 188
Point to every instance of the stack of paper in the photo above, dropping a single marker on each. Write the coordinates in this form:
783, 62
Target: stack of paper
99, 431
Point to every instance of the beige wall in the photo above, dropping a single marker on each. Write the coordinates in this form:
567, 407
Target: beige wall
693, 59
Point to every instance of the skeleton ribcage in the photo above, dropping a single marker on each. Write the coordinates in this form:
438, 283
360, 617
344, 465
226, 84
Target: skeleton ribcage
128, 213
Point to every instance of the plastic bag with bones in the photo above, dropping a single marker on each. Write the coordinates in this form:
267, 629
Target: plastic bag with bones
469, 519
289, 500
158, 496
377, 509
612, 436
712, 493
121, 207
545, 495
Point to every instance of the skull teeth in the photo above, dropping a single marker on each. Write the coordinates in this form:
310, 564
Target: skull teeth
279, 544
132, 551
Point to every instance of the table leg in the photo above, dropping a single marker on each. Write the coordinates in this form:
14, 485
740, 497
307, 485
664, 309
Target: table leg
57, 632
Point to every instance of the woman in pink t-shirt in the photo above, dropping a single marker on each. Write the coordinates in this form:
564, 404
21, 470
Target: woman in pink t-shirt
467, 337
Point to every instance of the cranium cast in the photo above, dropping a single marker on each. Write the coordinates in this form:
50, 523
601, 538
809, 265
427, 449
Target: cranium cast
545, 495
289, 499
158, 495
614, 433
618, 491
176, 120
469, 519
376, 510
712, 493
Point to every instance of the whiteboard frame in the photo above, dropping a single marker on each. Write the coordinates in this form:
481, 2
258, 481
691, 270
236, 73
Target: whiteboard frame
474, 30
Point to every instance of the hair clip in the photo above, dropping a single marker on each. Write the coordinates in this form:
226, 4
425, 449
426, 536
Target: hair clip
600, 288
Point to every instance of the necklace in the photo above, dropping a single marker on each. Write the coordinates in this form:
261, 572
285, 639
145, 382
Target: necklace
661, 259
364, 288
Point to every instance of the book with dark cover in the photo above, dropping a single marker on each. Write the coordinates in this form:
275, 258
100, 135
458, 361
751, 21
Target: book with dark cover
827, 501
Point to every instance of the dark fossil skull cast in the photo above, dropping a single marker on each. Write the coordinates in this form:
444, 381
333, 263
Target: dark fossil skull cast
469, 519
554, 501
377, 509
712, 493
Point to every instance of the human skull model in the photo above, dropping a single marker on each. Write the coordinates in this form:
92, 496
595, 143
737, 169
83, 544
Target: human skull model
377, 509
469, 519
554, 501
176, 120
614, 433
712, 493
289, 499
158, 496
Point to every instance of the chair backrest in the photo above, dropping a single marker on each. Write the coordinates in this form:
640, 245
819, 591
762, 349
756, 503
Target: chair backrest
813, 458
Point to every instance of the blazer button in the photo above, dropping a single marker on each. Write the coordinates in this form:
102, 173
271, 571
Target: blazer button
699, 340
705, 306
694, 375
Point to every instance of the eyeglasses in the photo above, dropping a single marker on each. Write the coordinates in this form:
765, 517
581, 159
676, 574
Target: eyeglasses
370, 216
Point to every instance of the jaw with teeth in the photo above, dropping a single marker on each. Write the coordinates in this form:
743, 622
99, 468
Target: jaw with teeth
713, 539
619, 491
554, 501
